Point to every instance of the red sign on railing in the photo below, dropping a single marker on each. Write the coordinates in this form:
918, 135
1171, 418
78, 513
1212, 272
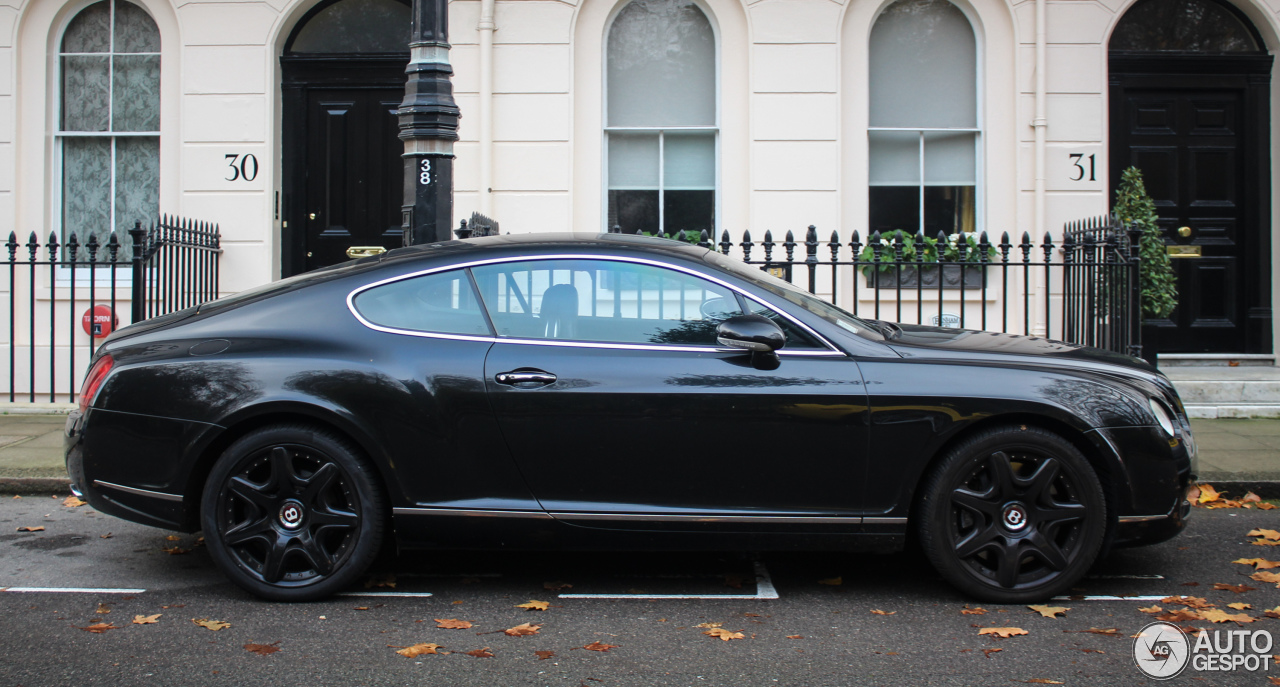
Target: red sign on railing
99, 321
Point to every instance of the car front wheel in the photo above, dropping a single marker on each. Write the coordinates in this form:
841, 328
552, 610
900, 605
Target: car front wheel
1013, 514
292, 513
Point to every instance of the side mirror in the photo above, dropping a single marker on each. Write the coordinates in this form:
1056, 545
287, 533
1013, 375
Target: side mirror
754, 333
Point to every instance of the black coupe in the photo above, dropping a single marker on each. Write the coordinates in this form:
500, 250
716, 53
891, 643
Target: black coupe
616, 392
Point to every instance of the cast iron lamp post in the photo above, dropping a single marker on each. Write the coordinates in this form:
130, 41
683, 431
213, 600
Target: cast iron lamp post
428, 127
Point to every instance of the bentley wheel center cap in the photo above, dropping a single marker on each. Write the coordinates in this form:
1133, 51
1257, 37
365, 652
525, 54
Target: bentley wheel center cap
291, 515
1015, 517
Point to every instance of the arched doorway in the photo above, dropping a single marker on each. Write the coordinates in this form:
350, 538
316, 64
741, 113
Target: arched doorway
342, 174
1189, 90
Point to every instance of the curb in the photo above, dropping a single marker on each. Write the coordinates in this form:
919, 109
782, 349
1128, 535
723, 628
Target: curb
35, 485
1267, 489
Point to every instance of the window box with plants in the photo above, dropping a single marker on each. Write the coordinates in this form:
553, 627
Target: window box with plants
959, 264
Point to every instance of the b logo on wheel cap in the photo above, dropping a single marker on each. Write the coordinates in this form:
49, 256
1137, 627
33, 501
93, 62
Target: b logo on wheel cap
291, 515
1015, 516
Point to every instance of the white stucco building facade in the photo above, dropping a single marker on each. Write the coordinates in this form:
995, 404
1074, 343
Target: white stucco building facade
774, 115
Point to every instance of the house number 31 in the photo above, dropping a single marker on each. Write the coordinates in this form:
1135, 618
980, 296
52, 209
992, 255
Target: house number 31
425, 177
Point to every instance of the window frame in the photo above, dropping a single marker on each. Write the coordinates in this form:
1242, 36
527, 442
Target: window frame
661, 131
829, 350
465, 277
979, 171
123, 273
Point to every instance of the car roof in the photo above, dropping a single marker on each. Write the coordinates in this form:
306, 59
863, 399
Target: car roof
540, 242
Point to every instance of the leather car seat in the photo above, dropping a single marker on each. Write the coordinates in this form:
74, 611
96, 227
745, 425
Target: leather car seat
559, 312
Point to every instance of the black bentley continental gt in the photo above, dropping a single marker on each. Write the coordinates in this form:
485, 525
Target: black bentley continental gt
616, 392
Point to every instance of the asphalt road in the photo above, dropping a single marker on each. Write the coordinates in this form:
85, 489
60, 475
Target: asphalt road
812, 634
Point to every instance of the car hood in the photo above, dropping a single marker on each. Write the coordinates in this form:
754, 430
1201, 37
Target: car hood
918, 341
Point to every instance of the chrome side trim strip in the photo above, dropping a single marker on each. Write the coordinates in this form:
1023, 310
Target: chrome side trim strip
139, 492
644, 517
884, 521
832, 350
473, 513
1127, 519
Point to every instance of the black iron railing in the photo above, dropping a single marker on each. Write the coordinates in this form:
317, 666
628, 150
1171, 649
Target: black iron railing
1083, 290
170, 265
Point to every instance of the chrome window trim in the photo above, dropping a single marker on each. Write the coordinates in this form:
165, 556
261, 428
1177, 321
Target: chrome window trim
139, 492
831, 349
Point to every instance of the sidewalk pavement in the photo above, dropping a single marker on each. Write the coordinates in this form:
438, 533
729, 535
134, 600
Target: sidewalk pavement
1234, 454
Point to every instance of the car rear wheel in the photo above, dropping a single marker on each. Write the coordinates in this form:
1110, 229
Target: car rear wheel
1012, 515
292, 513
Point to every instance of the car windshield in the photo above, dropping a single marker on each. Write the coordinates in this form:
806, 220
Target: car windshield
793, 294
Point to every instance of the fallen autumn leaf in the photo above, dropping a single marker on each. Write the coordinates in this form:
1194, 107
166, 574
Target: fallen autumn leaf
521, 630
452, 624
1050, 611
262, 649
533, 605
146, 619
600, 646
97, 628
1219, 616
418, 650
214, 625
724, 634
480, 653
1002, 632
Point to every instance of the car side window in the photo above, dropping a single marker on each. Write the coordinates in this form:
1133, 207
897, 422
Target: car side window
603, 300
443, 303
797, 338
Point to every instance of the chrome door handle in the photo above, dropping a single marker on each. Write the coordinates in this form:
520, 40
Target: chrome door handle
525, 379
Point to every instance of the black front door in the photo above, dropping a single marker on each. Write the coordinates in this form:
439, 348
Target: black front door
343, 171
1197, 129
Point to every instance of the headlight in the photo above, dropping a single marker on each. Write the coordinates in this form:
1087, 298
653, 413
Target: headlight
1162, 416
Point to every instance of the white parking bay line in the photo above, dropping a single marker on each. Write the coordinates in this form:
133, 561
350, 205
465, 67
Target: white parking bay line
764, 591
403, 595
71, 590
1109, 598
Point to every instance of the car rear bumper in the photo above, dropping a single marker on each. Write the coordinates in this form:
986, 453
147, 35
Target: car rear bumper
103, 457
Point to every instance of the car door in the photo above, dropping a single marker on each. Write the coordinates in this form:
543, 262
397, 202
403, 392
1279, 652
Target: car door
620, 407
429, 406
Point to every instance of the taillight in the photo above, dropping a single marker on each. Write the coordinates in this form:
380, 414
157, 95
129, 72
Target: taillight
93, 381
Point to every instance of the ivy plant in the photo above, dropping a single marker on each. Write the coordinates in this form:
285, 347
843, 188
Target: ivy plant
1158, 285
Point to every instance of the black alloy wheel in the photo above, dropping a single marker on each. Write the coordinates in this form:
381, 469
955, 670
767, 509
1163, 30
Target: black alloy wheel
291, 513
1012, 515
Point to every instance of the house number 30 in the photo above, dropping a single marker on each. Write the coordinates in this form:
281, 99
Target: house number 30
243, 167
425, 177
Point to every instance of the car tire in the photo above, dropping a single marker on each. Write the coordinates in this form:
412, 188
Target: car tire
292, 513
1013, 514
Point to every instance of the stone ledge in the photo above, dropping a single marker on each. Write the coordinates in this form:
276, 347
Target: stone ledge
1235, 411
